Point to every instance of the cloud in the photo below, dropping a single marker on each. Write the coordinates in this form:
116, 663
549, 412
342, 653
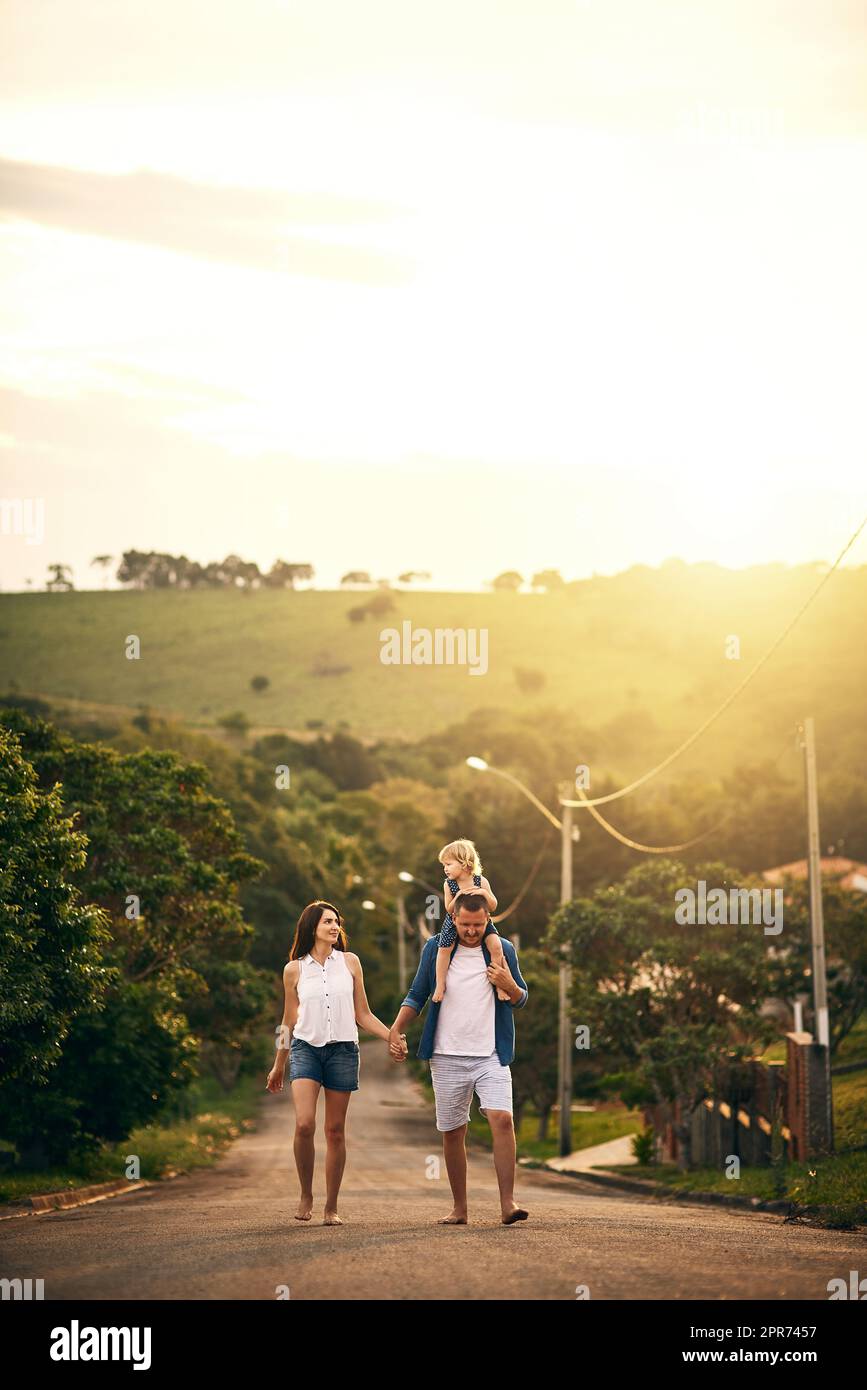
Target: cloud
252, 227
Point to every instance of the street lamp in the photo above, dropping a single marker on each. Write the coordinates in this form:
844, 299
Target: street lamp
411, 878
403, 924
568, 835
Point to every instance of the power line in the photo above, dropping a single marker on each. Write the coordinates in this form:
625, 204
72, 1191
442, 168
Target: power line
669, 849
501, 916
687, 743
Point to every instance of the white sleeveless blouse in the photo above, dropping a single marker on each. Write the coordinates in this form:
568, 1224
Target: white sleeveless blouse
327, 1001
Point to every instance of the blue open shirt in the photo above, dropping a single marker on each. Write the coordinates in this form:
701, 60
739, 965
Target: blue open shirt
424, 985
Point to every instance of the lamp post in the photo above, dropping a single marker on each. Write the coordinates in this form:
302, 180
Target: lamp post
568, 835
423, 934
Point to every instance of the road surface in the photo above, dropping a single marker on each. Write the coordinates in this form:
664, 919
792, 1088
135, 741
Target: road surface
228, 1231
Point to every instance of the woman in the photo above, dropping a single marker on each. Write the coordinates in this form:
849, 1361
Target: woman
324, 1001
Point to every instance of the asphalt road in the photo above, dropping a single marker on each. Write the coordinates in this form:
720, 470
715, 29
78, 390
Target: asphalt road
228, 1232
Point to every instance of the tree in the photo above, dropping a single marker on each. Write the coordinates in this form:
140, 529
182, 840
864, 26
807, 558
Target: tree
240, 574
669, 1007
354, 578
534, 1070
547, 580
259, 683
845, 917
285, 576
508, 581
104, 561
414, 576
61, 579
165, 863
50, 967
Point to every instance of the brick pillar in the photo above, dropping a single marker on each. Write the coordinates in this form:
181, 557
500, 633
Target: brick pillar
807, 1097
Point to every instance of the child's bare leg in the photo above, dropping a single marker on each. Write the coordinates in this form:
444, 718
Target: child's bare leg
443, 957
495, 951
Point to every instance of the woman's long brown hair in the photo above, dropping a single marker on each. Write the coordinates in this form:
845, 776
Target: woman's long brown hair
305, 932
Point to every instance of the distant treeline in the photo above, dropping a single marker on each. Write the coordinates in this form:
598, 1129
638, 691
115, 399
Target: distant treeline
154, 570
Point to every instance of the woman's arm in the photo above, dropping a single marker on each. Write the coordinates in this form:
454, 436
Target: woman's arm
291, 1005
363, 1016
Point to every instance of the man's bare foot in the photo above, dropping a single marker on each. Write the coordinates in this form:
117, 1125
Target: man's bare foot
305, 1208
332, 1219
454, 1218
516, 1214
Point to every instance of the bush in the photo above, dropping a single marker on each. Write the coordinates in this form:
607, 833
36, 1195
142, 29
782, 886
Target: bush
529, 680
644, 1146
234, 723
379, 605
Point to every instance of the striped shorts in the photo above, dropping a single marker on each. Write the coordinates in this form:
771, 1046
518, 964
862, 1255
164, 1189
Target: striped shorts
455, 1078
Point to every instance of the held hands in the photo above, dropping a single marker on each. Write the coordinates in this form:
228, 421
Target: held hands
397, 1046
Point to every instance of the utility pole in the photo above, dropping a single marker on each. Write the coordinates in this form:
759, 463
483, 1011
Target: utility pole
817, 926
565, 1041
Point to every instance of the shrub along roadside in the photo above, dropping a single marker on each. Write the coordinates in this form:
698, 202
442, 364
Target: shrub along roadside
211, 1121
830, 1191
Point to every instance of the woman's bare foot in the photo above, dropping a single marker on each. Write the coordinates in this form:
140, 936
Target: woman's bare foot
514, 1213
305, 1208
454, 1218
501, 994
331, 1218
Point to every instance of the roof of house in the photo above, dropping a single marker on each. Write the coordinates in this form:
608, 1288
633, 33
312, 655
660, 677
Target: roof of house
853, 875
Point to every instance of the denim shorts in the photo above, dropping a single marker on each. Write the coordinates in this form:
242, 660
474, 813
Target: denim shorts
334, 1066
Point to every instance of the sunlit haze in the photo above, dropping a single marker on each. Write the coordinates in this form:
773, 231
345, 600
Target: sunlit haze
457, 287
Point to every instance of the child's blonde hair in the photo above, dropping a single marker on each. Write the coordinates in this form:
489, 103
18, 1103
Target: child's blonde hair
465, 852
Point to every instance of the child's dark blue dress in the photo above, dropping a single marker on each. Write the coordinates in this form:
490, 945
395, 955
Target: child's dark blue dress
448, 931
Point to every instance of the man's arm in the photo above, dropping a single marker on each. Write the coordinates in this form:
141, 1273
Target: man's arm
508, 977
417, 997
520, 981
420, 990
396, 1037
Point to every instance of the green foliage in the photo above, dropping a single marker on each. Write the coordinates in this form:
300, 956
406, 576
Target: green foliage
165, 863
534, 1070
644, 1146
845, 917
671, 1004
51, 970
235, 722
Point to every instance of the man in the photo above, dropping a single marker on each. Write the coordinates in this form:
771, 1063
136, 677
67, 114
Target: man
469, 1039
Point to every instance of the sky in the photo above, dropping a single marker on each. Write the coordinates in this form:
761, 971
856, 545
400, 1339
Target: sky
457, 287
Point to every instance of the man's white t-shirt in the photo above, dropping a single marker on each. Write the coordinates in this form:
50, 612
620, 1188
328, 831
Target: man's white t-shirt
465, 1026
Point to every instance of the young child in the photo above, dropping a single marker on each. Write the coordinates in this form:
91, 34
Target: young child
464, 875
